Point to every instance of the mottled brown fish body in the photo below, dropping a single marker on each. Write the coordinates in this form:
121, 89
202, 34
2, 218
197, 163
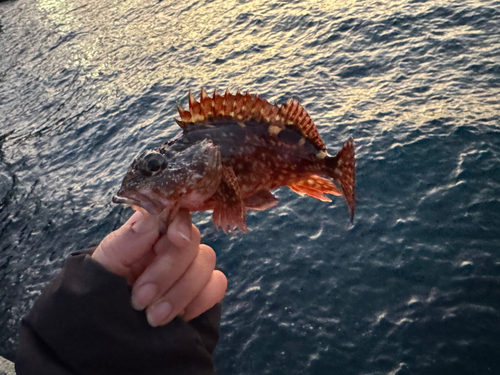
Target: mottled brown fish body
261, 146
259, 160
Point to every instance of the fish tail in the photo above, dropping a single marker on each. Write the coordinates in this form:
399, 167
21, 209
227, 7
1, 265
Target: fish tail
341, 169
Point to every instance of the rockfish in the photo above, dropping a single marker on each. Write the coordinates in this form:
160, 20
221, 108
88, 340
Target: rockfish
233, 150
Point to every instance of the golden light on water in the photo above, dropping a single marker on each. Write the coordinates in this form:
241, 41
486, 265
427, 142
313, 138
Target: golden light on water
134, 44
117, 31
111, 32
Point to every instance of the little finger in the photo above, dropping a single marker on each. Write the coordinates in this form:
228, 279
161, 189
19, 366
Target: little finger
212, 293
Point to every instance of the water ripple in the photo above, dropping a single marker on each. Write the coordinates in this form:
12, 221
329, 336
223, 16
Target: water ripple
411, 287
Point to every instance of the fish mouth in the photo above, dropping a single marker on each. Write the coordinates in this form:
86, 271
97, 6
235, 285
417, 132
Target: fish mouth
136, 199
122, 200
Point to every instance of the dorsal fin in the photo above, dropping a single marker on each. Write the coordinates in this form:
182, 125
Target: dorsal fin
248, 107
294, 114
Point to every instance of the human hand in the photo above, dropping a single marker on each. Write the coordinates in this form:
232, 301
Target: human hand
172, 275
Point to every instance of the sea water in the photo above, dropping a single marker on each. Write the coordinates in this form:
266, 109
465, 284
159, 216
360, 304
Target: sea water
411, 287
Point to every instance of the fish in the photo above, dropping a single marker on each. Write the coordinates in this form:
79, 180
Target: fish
232, 151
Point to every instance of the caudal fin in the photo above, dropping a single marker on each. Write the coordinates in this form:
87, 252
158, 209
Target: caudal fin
341, 169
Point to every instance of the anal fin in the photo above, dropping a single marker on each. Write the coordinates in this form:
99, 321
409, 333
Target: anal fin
316, 187
261, 200
229, 211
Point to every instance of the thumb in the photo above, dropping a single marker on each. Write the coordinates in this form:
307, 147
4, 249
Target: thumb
120, 249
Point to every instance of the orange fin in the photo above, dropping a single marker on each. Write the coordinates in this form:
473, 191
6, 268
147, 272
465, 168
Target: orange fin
195, 109
218, 104
342, 169
250, 107
229, 211
316, 187
185, 117
295, 115
261, 200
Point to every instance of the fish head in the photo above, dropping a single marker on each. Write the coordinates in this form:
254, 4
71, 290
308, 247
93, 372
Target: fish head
162, 179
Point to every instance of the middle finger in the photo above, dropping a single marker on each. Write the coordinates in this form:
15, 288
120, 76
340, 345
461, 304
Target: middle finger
171, 262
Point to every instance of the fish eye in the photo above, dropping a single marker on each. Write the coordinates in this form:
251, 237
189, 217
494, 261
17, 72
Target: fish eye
152, 163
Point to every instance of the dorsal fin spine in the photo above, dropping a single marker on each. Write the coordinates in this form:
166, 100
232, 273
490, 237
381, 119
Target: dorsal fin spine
185, 117
191, 99
206, 104
203, 94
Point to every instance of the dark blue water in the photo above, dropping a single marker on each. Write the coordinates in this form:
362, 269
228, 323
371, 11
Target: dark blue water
412, 287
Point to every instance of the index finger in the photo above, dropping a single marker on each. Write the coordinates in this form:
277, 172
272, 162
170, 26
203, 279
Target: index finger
119, 250
174, 254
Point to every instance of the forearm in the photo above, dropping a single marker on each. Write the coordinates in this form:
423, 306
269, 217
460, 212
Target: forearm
83, 323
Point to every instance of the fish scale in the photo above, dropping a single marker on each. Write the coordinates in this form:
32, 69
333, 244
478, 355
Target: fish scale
250, 147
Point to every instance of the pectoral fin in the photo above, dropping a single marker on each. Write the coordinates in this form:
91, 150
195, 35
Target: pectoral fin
229, 211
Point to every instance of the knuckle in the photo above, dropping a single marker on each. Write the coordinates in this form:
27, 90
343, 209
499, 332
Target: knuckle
196, 236
163, 245
222, 280
209, 254
109, 243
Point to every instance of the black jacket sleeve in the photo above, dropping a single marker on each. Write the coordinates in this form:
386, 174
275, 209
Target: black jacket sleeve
83, 323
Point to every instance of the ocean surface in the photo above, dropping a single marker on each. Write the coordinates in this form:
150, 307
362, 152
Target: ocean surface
411, 287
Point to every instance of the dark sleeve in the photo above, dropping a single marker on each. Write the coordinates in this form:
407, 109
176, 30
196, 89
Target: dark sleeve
83, 323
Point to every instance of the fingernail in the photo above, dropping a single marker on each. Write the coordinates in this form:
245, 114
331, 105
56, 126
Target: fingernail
183, 225
184, 235
159, 313
145, 224
143, 296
